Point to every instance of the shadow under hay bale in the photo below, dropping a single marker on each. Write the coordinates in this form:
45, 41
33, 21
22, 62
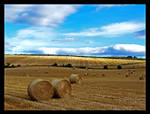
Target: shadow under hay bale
54, 64
39, 90
18, 65
68, 65
62, 88
75, 78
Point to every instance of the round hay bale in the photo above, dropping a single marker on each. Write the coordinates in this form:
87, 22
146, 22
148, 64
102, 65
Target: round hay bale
86, 68
141, 77
103, 75
85, 74
75, 78
62, 88
40, 90
126, 75
74, 68
131, 72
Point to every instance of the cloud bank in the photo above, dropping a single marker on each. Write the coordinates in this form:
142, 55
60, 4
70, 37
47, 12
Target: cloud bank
116, 50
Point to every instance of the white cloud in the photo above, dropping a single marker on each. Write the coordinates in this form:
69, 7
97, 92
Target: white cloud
130, 47
36, 32
45, 15
12, 11
116, 50
142, 36
90, 42
65, 39
75, 51
107, 6
30, 38
111, 30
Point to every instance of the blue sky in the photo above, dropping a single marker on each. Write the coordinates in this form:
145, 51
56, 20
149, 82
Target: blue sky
87, 30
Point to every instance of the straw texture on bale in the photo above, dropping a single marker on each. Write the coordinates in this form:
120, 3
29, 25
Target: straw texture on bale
62, 88
39, 90
75, 78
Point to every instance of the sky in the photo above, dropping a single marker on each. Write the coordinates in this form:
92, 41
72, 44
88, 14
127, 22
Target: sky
76, 29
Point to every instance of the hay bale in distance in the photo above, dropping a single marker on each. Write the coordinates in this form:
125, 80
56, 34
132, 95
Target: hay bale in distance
103, 75
68, 65
39, 90
127, 75
62, 88
131, 72
141, 77
86, 68
75, 78
74, 68
105, 67
85, 74
119, 67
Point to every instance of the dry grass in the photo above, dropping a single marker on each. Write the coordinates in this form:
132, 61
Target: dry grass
110, 92
60, 60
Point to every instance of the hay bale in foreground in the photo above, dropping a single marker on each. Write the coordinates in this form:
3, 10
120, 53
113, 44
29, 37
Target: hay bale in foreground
62, 88
75, 78
39, 90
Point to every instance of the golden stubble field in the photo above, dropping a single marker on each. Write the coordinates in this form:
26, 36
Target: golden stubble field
101, 89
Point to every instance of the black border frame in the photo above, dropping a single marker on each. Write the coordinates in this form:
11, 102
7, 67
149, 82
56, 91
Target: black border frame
3, 2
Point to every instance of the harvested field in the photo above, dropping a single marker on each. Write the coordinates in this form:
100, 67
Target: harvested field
101, 89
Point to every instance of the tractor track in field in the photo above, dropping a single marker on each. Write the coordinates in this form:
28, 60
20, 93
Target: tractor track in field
107, 101
87, 101
37, 105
